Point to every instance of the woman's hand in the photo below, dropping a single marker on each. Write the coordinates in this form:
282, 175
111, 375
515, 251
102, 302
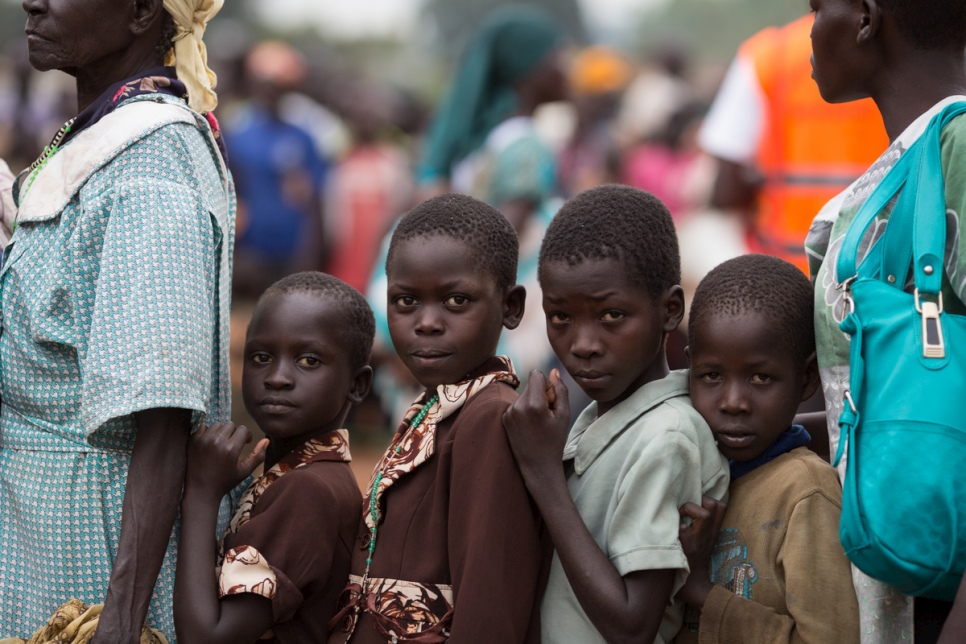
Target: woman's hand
213, 464
697, 540
536, 425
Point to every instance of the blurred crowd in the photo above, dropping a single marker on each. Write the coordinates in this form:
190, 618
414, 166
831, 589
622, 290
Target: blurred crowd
325, 161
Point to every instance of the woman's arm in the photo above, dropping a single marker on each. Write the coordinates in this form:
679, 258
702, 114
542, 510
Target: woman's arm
199, 615
625, 608
151, 498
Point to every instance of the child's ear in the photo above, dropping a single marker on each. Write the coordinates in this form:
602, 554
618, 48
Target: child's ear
687, 355
673, 305
812, 379
870, 21
361, 383
514, 305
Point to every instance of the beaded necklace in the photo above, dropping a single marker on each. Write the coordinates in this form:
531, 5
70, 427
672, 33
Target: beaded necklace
46, 155
373, 507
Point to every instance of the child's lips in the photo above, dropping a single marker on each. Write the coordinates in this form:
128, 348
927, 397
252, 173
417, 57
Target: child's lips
427, 358
589, 378
734, 438
275, 405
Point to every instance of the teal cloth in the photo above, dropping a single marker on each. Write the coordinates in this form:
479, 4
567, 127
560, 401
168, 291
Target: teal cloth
117, 303
509, 45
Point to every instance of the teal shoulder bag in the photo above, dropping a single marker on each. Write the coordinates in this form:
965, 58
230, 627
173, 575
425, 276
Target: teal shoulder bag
904, 496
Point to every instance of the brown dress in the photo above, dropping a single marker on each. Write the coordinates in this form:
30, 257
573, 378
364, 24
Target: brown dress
458, 547
291, 539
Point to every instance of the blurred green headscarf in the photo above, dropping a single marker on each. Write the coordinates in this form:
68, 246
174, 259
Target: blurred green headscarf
511, 43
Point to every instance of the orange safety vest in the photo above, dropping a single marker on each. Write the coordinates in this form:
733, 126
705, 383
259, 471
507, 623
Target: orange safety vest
810, 150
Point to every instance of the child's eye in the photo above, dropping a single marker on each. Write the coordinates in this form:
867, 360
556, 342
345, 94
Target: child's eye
613, 316
456, 300
405, 301
711, 376
761, 379
308, 361
557, 318
261, 358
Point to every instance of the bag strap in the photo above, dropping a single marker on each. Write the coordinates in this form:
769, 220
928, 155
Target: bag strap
922, 159
929, 234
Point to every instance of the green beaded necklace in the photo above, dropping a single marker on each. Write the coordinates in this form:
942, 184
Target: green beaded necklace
373, 508
46, 155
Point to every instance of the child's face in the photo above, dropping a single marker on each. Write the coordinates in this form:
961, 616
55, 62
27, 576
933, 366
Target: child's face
298, 378
607, 332
837, 60
745, 382
445, 315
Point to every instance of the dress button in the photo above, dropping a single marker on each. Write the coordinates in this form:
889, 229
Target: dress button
366, 540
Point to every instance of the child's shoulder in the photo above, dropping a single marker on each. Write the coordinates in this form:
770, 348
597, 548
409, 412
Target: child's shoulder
328, 484
673, 421
673, 414
796, 475
487, 405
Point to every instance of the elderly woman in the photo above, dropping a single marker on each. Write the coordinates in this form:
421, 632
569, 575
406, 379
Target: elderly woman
114, 296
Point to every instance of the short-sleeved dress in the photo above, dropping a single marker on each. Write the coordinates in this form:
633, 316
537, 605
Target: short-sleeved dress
114, 296
291, 538
885, 614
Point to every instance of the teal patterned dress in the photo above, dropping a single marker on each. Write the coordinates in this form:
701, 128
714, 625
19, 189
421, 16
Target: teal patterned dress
114, 298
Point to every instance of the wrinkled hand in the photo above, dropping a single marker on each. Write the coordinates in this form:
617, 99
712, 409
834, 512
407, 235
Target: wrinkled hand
537, 423
697, 540
213, 463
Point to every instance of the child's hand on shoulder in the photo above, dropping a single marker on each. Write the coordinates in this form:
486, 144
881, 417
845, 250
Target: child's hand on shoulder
697, 541
213, 458
537, 423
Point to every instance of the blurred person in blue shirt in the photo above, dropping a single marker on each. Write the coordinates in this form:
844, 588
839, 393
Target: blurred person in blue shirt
279, 175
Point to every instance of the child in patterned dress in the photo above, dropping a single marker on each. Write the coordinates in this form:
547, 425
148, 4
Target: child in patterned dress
285, 556
448, 545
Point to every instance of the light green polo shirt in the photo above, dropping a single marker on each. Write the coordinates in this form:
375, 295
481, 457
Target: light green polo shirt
628, 472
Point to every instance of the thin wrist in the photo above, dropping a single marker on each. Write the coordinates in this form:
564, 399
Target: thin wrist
545, 485
200, 495
697, 595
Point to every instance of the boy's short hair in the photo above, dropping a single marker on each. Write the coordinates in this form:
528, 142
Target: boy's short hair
480, 227
617, 222
764, 285
930, 24
360, 327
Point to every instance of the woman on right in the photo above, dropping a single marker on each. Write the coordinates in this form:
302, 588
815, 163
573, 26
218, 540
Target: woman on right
907, 55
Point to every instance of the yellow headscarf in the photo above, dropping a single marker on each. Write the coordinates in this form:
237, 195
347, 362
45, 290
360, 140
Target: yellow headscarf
189, 54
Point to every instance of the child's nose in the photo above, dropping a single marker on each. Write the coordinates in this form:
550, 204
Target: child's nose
429, 321
279, 376
733, 399
586, 343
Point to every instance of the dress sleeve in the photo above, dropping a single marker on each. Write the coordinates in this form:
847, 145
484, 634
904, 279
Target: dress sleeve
494, 542
283, 551
736, 120
155, 319
954, 174
818, 588
661, 476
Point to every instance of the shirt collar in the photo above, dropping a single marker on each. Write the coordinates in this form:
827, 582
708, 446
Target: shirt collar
591, 435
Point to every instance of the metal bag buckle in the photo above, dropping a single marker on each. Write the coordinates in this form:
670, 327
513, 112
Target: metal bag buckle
933, 343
